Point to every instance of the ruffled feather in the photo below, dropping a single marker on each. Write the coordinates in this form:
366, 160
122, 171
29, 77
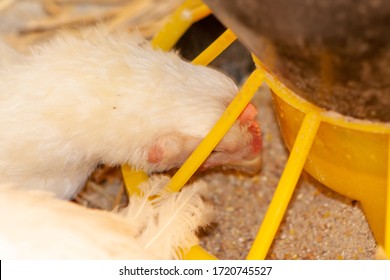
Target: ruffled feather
168, 223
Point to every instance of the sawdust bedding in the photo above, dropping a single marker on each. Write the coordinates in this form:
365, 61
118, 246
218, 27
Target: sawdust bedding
319, 223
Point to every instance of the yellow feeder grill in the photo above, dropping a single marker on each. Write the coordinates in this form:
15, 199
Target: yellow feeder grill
350, 156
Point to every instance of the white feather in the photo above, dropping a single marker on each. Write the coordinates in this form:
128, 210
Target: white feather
177, 218
140, 209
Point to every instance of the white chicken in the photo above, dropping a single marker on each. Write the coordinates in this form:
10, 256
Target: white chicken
112, 99
36, 225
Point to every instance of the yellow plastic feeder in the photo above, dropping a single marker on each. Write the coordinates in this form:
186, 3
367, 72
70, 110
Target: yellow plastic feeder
350, 156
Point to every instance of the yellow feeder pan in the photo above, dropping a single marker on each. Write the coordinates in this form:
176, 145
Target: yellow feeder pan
349, 156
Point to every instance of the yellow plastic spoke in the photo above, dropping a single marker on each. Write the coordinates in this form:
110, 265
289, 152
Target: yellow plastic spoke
190, 12
132, 178
285, 188
216, 48
198, 253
